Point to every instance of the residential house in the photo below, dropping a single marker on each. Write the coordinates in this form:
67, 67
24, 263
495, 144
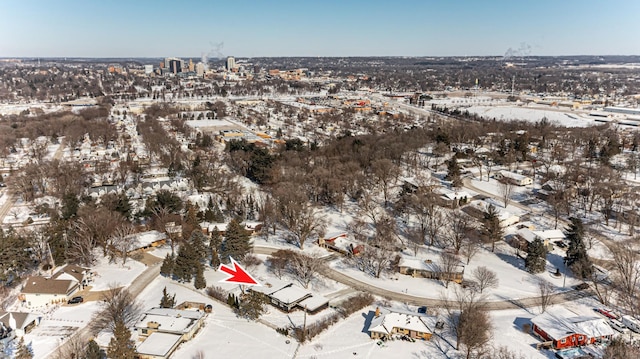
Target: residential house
525, 236
514, 178
288, 297
418, 268
163, 329
478, 208
388, 323
18, 323
40, 291
566, 329
340, 242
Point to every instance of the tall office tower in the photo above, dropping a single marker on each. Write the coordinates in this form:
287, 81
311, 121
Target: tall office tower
231, 63
191, 65
175, 66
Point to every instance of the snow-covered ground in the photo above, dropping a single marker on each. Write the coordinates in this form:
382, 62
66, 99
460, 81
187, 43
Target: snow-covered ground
57, 325
115, 274
531, 114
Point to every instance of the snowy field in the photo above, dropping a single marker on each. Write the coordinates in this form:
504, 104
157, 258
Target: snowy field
115, 274
530, 114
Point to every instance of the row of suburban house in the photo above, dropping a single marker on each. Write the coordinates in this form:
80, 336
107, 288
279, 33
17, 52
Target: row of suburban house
558, 327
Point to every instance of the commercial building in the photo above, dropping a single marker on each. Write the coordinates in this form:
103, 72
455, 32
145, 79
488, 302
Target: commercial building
231, 63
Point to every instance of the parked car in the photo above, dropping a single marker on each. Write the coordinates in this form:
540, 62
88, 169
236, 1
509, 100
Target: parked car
75, 300
607, 313
616, 325
422, 310
560, 244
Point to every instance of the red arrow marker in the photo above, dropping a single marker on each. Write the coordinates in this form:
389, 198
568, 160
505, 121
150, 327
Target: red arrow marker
238, 275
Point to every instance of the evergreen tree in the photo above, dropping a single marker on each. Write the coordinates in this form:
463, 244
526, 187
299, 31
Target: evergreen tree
197, 240
213, 212
185, 263
200, 282
190, 222
23, 351
92, 351
230, 300
577, 257
167, 301
252, 306
453, 172
236, 242
70, 205
168, 265
121, 346
216, 240
536, 260
215, 259
491, 229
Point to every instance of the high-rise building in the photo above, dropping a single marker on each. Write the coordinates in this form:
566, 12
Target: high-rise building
231, 63
191, 65
175, 66
148, 69
200, 69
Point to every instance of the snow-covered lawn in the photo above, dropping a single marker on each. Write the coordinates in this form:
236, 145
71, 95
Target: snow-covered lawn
109, 274
58, 325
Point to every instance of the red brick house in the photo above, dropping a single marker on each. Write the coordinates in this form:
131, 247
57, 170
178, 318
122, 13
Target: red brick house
566, 329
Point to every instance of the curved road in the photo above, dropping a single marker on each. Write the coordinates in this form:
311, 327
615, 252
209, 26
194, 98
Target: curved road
331, 273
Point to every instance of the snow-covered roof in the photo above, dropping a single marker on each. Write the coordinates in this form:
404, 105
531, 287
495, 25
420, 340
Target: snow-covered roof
170, 320
550, 234
158, 344
451, 195
397, 319
417, 263
314, 302
560, 322
512, 175
290, 294
146, 238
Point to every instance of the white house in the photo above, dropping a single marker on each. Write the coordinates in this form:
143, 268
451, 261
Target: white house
387, 323
41, 291
163, 329
515, 178
18, 323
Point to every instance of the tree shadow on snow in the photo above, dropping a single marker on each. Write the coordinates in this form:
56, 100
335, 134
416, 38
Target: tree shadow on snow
511, 259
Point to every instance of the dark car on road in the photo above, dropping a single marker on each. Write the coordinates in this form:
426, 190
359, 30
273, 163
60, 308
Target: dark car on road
75, 300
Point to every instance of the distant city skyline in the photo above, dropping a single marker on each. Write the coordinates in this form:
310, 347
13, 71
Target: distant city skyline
72, 28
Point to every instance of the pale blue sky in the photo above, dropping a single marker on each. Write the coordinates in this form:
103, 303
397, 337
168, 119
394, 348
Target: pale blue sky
141, 28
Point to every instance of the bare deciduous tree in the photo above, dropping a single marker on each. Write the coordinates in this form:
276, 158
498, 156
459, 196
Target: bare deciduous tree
304, 267
506, 190
469, 321
297, 215
448, 266
627, 275
470, 247
456, 229
485, 278
545, 290
124, 241
117, 305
